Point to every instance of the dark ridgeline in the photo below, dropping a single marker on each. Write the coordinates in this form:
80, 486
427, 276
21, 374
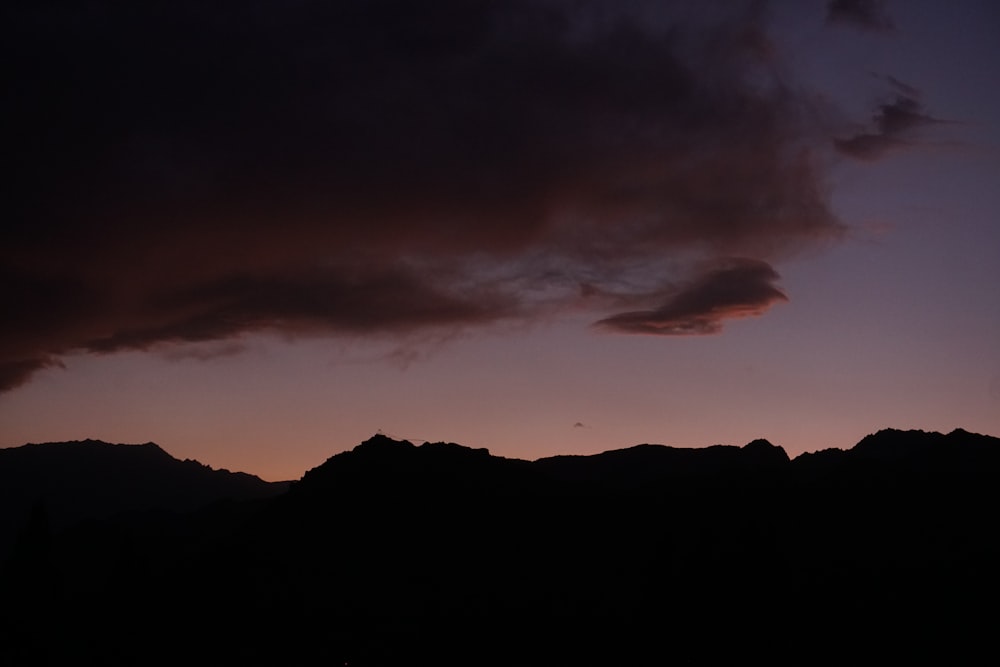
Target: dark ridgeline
440, 554
94, 480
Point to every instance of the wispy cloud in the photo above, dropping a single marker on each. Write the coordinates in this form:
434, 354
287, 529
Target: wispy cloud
738, 288
895, 126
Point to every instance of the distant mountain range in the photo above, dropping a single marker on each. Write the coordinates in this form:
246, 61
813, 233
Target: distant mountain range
394, 553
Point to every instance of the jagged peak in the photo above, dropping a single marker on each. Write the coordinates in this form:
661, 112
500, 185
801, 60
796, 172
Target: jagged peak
455, 447
382, 440
894, 445
762, 447
381, 443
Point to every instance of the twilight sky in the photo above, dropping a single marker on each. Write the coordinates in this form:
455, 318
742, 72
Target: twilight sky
256, 233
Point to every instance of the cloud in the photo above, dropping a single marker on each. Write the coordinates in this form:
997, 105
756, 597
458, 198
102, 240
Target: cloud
190, 173
329, 301
204, 351
901, 86
864, 14
15, 372
895, 125
739, 288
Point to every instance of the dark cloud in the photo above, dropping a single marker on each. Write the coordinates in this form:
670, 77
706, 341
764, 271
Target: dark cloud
739, 288
15, 372
330, 302
895, 124
864, 14
204, 352
189, 172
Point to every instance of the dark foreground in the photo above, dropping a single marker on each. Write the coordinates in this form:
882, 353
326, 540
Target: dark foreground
393, 554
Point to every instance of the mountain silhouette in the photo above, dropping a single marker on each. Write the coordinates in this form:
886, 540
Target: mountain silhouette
95, 480
394, 553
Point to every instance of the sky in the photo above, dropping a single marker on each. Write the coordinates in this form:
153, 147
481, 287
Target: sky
258, 233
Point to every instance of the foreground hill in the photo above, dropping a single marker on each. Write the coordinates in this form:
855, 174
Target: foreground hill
440, 554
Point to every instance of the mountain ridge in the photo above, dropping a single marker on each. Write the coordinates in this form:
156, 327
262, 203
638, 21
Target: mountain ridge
870, 444
82, 480
394, 553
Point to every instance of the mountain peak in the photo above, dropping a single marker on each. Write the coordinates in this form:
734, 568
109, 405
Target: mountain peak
763, 450
382, 441
928, 449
